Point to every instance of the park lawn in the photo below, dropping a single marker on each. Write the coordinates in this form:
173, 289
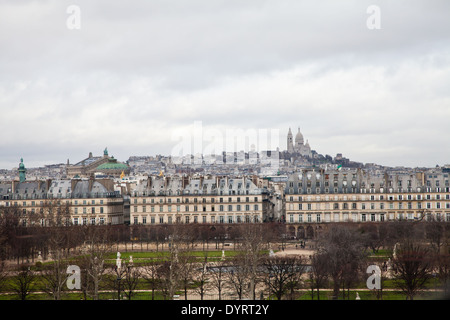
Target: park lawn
147, 256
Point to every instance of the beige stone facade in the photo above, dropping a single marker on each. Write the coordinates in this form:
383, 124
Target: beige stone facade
71, 201
201, 200
343, 196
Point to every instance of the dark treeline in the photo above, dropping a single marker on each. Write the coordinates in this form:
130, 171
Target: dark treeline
414, 253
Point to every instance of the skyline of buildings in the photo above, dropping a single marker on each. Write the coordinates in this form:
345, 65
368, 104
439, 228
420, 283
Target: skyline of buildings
293, 186
297, 154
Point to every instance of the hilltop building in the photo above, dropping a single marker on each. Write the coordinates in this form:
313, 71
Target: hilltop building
299, 146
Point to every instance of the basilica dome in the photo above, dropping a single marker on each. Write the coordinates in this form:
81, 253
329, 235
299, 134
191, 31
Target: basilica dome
299, 137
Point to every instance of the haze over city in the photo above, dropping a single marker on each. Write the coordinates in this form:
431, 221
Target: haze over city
131, 75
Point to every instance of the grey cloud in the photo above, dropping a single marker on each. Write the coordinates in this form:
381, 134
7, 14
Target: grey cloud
137, 70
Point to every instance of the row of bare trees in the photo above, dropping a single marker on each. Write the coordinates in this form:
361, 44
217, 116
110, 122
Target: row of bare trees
340, 259
416, 252
176, 268
245, 274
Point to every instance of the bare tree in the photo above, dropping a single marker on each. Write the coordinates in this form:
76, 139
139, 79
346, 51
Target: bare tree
319, 273
23, 282
11, 231
3, 274
435, 233
150, 274
443, 271
131, 280
343, 247
283, 274
412, 266
54, 276
201, 277
95, 248
169, 273
218, 271
252, 245
237, 277
373, 236
186, 266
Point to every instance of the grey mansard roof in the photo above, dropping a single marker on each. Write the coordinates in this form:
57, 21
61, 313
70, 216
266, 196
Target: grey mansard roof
196, 186
359, 181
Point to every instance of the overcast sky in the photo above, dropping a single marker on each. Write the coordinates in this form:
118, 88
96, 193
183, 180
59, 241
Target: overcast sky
137, 75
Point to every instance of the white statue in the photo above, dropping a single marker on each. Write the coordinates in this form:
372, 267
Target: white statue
118, 261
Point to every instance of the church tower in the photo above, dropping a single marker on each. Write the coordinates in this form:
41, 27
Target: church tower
290, 142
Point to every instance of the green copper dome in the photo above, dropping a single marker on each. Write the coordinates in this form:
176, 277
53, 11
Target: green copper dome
112, 164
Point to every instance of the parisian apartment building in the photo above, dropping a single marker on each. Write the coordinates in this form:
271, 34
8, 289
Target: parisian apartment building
304, 196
